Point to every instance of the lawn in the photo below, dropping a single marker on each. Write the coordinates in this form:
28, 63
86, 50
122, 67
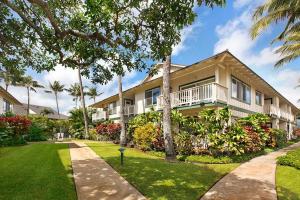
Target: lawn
36, 171
287, 177
287, 182
158, 179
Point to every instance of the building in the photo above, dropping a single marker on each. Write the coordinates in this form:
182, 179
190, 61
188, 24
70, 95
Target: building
218, 81
38, 110
7, 101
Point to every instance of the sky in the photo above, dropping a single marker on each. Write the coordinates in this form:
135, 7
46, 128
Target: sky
213, 31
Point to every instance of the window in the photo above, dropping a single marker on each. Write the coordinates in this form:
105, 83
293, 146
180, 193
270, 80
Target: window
6, 106
151, 96
258, 99
112, 108
240, 91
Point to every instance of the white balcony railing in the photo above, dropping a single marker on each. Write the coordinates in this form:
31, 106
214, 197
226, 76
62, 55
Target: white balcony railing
99, 115
204, 93
271, 109
129, 110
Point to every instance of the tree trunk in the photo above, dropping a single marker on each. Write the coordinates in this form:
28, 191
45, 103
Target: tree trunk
122, 122
86, 126
28, 100
76, 102
57, 105
94, 99
169, 146
6, 87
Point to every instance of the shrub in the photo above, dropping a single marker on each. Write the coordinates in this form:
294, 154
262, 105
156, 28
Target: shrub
253, 141
144, 136
277, 138
183, 143
36, 133
111, 130
93, 134
292, 159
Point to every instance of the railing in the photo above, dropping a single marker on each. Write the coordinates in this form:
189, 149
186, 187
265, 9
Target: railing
112, 111
203, 93
99, 115
271, 109
129, 110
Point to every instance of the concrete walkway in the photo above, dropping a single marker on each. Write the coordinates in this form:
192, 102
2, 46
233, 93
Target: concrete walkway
252, 180
95, 179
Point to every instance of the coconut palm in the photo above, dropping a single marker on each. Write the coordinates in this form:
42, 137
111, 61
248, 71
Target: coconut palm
288, 12
74, 91
30, 85
10, 76
56, 88
93, 93
46, 111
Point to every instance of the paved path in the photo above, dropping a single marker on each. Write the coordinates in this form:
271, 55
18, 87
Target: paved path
95, 179
252, 180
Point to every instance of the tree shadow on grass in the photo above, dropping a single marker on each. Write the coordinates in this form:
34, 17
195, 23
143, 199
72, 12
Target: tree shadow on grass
159, 179
37, 171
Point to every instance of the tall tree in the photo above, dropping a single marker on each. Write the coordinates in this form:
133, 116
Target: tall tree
11, 76
56, 88
93, 93
163, 21
30, 85
122, 121
74, 91
278, 12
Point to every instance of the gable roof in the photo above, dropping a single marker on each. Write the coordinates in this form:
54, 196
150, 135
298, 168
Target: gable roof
22, 110
221, 56
6, 95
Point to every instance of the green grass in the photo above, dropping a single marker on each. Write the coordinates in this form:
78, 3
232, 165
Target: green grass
287, 183
292, 159
36, 171
158, 179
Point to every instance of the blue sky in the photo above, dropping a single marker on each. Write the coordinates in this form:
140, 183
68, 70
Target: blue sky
213, 31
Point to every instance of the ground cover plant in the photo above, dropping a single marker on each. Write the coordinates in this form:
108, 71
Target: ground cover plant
159, 179
36, 171
291, 159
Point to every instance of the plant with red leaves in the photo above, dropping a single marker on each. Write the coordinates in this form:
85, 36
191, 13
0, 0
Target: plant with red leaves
18, 124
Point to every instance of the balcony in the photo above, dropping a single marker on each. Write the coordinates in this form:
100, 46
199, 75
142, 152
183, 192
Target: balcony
201, 94
99, 115
278, 112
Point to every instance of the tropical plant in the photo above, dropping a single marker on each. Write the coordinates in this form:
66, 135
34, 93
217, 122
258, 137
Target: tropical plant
77, 123
144, 136
30, 85
278, 12
93, 93
46, 111
56, 88
74, 91
11, 76
183, 143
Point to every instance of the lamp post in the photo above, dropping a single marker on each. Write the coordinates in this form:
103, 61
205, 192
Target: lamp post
122, 155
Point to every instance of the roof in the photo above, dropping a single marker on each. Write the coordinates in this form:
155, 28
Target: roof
8, 96
36, 109
216, 56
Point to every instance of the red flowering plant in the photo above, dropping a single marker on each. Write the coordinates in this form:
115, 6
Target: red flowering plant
112, 130
18, 124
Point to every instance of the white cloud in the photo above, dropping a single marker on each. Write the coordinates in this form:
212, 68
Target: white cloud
185, 33
234, 36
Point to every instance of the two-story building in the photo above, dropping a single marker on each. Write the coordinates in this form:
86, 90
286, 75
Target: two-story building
218, 81
7, 101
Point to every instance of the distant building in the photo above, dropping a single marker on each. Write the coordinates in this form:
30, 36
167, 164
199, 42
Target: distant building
38, 110
7, 101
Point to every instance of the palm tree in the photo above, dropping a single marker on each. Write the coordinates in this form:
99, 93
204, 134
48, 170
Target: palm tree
46, 111
288, 12
30, 85
10, 76
74, 91
122, 121
93, 93
56, 88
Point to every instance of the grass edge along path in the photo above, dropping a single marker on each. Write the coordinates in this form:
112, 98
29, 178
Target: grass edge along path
36, 171
159, 179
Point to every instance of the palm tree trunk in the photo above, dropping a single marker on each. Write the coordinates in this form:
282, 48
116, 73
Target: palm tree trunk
122, 122
76, 99
169, 146
57, 105
28, 100
94, 99
6, 87
85, 117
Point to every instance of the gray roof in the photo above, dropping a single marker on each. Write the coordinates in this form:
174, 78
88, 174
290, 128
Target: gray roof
22, 110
